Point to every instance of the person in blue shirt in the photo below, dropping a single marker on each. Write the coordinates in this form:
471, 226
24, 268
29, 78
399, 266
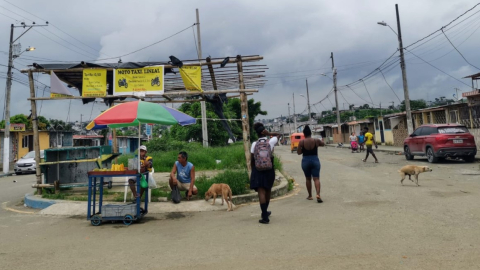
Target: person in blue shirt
361, 141
183, 175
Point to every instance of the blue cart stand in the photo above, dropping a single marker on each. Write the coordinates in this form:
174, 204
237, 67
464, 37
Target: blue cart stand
127, 213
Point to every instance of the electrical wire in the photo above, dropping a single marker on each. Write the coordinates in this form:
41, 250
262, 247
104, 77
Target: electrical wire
439, 69
389, 86
459, 51
367, 91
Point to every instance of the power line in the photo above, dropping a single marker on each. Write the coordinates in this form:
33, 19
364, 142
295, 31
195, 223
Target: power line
390, 86
458, 51
367, 91
438, 68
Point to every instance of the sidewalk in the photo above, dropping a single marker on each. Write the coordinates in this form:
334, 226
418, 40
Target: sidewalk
72, 208
385, 148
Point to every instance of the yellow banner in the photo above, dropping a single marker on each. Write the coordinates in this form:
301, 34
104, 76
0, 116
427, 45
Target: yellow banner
147, 81
192, 77
55, 95
94, 83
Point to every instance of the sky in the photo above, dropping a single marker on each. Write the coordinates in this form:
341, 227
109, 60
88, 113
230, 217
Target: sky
296, 39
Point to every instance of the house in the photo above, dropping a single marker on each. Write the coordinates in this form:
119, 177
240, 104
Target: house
358, 125
61, 139
87, 140
21, 142
395, 128
127, 144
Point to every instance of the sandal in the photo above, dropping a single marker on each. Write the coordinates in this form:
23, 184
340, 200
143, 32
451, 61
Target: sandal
309, 198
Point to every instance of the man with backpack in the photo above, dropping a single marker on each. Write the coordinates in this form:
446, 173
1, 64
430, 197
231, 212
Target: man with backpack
263, 171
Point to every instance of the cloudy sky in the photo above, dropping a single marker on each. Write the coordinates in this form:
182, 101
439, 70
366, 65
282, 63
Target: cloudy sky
295, 38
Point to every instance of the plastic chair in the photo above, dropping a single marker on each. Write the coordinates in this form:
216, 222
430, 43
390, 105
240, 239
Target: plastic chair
127, 186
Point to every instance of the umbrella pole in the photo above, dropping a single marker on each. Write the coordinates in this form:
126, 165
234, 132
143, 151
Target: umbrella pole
139, 144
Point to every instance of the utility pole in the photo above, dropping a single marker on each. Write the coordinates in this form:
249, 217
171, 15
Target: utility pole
289, 126
294, 116
6, 139
81, 123
336, 98
308, 104
404, 76
202, 103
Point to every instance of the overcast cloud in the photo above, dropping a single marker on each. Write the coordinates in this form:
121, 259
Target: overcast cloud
295, 38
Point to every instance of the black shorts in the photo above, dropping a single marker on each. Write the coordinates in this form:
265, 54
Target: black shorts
370, 149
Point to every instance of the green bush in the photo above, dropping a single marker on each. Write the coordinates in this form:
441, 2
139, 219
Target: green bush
237, 180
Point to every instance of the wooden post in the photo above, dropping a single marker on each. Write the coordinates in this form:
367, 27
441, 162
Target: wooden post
36, 140
432, 121
245, 120
447, 116
471, 118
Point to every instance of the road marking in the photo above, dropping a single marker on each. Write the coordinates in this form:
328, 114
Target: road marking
5, 207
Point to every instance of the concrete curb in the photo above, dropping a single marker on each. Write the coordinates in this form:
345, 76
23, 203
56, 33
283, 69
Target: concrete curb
6, 174
36, 202
277, 191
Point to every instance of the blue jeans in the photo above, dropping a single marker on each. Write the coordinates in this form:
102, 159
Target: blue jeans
311, 166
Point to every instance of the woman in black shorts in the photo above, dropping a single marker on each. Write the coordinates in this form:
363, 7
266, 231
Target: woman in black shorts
310, 162
262, 181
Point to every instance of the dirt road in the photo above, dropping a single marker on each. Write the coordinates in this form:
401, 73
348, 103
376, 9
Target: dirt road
368, 221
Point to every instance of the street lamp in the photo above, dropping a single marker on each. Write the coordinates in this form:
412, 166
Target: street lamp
29, 49
404, 72
385, 24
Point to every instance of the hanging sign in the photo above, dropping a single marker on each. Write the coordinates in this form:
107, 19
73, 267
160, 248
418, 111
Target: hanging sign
17, 127
94, 82
57, 88
138, 81
192, 77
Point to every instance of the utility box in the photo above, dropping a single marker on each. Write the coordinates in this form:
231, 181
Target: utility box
69, 165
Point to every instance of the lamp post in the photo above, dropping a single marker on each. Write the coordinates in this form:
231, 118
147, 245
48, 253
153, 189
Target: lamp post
404, 71
6, 138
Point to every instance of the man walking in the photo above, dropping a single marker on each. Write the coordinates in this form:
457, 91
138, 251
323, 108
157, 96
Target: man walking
369, 142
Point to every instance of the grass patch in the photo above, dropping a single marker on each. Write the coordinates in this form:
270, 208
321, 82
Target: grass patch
237, 180
232, 157
59, 196
291, 184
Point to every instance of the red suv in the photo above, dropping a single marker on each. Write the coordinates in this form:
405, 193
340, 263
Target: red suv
441, 141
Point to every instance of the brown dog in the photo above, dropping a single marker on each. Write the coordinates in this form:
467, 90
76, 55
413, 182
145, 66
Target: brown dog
220, 189
412, 170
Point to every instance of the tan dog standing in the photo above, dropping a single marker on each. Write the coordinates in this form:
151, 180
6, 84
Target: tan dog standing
412, 170
220, 189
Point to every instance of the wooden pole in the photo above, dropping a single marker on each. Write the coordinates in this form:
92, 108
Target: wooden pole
203, 105
244, 116
36, 140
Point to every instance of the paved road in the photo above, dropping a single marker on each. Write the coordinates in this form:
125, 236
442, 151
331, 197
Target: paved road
368, 221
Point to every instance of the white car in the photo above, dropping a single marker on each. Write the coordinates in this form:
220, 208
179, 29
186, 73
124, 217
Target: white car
27, 163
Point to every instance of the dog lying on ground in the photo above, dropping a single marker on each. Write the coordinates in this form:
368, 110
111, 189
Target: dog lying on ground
412, 170
220, 189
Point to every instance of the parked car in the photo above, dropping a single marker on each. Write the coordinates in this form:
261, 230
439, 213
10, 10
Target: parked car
27, 163
441, 141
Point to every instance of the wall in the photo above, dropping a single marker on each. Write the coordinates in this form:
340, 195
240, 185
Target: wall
399, 130
13, 150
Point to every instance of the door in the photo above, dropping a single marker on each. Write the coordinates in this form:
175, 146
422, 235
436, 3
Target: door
30, 143
133, 145
382, 135
423, 138
414, 140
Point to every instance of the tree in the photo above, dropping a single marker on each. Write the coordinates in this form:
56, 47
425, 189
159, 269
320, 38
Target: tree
59, 125
23, 119
254, 109
414, 105
304, 118
334, 108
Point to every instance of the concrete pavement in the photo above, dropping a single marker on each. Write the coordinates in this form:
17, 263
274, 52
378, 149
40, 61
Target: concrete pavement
367, 221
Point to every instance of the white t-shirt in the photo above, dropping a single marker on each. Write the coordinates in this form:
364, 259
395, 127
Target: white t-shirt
353, 138
273, 141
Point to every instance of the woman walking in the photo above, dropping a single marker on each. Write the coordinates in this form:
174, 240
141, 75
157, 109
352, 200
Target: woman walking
263, 171
310, 162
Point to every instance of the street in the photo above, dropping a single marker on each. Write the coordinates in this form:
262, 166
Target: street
367, 221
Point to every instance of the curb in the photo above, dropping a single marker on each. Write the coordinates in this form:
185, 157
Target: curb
33, 201
36, 202
277, 191
6, 174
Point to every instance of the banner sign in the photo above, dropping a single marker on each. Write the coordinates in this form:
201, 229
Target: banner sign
55, 95
17, 127
143, 81
94, 83
57, 88
192, 77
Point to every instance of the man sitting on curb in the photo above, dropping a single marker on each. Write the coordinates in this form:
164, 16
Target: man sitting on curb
185, 176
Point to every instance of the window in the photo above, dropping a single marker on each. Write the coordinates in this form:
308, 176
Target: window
418, 131
452, 130
427, 131
454, 116
25, 142
387, 123
376, 123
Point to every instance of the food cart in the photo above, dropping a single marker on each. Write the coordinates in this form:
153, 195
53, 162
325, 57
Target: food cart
98, 212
